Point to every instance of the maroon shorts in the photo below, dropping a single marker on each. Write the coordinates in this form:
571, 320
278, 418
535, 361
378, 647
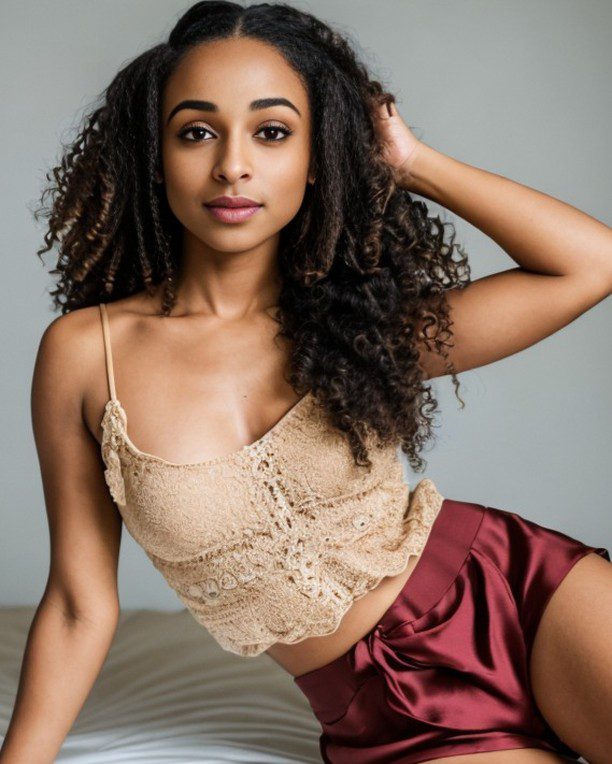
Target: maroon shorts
445, 670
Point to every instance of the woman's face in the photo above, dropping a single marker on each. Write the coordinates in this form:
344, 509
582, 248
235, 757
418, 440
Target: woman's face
228, 144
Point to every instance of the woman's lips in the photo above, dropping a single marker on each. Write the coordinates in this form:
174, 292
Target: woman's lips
233, 214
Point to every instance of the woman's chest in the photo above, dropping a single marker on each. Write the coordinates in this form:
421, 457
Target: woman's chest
282, 497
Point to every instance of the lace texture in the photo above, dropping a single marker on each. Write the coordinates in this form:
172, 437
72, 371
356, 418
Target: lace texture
274, 542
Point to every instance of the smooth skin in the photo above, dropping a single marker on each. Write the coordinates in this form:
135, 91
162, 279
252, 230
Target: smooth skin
211, 377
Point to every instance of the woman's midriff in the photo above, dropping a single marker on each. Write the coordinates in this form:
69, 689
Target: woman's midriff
359, 619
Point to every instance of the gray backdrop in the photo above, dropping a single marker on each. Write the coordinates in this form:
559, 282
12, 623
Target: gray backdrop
517, 87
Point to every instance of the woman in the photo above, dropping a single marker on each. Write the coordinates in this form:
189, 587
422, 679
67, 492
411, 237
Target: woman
271, 359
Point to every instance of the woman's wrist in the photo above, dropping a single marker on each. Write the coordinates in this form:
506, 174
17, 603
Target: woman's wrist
412, 174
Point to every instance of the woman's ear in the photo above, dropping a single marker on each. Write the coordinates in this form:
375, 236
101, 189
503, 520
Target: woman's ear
158, 177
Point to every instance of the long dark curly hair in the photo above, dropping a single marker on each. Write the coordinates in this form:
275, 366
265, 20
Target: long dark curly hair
364, 266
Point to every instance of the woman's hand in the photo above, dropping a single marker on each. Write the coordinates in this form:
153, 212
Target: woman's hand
399, 145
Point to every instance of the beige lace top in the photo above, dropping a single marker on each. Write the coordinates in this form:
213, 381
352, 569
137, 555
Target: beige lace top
273, 542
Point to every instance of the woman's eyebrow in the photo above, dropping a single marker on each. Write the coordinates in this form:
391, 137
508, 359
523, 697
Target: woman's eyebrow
259, 103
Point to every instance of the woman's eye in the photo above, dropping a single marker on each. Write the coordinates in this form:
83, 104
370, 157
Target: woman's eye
193, 129
275, 129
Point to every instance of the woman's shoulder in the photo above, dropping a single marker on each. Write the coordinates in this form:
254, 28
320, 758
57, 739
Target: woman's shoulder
68, 337
71, 347
63, 367
76, 329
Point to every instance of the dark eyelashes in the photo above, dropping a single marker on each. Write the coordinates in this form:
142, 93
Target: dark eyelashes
277, 128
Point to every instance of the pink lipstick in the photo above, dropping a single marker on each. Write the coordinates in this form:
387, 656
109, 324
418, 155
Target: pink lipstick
232, 209
232, 214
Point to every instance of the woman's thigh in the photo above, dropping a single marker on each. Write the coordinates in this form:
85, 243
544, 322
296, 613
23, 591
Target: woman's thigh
571, 660
510, 756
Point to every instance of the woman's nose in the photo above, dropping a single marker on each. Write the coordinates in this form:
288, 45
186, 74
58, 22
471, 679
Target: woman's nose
233, 161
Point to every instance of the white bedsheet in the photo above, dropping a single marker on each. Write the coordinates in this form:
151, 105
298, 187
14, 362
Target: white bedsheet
168, 693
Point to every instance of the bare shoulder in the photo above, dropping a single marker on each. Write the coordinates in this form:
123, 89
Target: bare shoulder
69, 367
66, 343
68, 347
71, 346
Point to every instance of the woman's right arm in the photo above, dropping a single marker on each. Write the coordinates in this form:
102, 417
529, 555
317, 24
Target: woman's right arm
76, 619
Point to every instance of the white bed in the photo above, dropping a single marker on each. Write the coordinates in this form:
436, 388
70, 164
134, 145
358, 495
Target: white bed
168, 693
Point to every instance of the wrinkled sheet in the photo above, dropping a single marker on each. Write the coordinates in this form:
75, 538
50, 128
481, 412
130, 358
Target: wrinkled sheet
168, 693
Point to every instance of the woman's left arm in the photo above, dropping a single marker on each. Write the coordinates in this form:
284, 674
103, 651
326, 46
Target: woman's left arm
564, 260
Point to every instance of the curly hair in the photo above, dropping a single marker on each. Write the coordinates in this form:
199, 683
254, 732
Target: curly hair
364, 267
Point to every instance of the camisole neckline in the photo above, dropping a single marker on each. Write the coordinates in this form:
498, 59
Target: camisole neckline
115, 403
231, 456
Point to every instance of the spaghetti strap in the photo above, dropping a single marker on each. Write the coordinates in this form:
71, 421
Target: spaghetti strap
107, 351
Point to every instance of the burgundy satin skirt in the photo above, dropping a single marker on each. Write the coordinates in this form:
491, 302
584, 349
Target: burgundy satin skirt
445, 670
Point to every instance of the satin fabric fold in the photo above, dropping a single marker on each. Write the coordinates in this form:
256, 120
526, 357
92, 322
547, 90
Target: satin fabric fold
445, 670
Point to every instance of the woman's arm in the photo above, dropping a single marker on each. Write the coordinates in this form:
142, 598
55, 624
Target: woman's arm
564, 260
61, 661
76, 619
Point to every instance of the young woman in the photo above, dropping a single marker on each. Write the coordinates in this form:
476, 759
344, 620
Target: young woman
245, 274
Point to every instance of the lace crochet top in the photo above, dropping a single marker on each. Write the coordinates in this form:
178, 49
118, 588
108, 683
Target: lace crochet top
273, 542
